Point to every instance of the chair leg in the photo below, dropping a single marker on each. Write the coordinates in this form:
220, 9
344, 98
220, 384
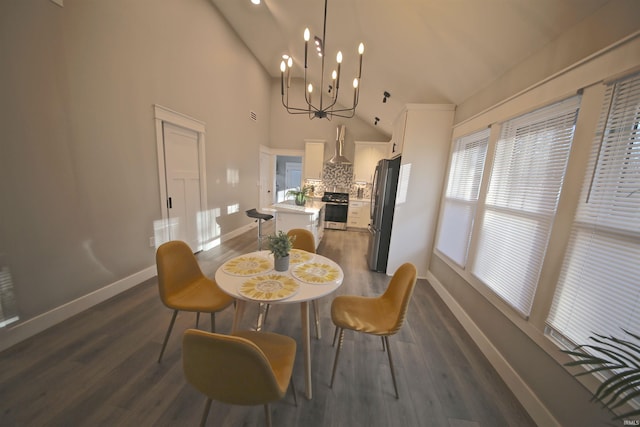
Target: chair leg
293, 390
316, 314
383, 344
197, 319
205, 413
266, 313
263, 310
335, 335
335, 361
267, 414
393, 374
213, 322
166, 337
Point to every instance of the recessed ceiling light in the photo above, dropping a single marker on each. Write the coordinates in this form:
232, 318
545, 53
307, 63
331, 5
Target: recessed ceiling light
255, 1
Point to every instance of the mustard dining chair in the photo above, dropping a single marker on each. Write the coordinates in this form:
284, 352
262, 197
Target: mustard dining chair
303, 239
244, 368
382, 315
183, 286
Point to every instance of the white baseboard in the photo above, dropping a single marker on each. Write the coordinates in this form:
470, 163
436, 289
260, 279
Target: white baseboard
516, 384
13, 335
10, 336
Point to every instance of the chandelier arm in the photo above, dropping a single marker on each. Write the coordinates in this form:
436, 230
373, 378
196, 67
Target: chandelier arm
350, 108
344, 116
296, 110
322, 111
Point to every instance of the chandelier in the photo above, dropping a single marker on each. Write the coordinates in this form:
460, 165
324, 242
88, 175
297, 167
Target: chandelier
323, 106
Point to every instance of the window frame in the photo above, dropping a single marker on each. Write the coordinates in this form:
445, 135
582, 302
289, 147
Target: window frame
488, 209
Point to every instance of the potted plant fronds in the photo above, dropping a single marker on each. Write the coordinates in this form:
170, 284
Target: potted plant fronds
280, 244
300, 195
620, 360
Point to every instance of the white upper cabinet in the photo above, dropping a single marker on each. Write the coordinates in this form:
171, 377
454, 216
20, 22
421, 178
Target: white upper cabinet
397, 139
313, 159
367, 155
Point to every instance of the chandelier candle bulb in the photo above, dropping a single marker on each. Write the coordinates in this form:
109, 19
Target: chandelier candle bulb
307, 35
360, 51
355, 92
334, 75
339, 60
282, 68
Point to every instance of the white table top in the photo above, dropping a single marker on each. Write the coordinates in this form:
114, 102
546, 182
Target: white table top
230, 283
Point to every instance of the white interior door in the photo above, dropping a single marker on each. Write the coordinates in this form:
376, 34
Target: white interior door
182, 165
266, 179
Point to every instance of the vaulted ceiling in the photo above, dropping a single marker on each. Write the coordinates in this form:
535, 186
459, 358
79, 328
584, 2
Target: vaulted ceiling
419, 51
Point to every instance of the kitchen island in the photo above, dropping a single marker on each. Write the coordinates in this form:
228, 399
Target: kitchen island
288, 215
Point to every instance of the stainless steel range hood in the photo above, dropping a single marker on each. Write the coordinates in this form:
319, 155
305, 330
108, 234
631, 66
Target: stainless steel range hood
338, 158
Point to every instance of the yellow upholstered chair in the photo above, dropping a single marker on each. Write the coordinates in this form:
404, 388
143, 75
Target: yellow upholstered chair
382, 315
304, 240
245, 368
183, 286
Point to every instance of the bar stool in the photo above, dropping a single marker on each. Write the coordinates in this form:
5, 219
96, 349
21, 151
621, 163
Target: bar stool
259, 217
263, 309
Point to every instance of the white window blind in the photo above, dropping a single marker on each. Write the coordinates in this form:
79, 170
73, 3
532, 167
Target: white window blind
461, 197
524, 188
599, 286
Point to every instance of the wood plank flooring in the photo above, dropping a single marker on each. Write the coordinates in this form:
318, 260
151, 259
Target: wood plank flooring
99, 368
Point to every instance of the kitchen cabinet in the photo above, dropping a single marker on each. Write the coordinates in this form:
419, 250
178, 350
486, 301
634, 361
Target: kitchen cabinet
426, 138
310, 217
397, 139
313, 159
359, 214
367, 155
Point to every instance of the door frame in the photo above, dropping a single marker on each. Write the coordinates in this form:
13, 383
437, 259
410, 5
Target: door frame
166, 115
270, 175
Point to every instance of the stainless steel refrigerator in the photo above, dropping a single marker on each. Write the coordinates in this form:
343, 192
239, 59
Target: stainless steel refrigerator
383, 202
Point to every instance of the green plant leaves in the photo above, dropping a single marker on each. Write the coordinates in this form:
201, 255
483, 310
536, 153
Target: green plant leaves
619, 360
280, 244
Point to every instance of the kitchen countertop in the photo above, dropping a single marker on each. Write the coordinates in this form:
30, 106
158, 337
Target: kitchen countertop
289, 206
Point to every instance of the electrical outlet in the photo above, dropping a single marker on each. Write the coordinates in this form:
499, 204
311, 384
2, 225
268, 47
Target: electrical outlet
152, 242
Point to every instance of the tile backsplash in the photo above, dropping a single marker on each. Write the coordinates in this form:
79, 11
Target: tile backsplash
338, 178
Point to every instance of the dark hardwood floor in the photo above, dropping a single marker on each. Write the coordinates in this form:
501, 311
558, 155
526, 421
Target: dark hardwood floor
99, 368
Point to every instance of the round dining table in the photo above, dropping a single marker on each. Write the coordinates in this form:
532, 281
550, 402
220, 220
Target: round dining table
252, 278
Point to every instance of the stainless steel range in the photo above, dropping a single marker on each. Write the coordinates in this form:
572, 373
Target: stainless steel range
336, 209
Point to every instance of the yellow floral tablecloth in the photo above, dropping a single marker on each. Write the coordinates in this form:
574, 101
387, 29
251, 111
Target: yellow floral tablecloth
248, 265
298, 256
315, 273
268, 287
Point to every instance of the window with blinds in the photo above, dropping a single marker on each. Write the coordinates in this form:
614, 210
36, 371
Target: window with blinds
461, 197
527, 175
599, 286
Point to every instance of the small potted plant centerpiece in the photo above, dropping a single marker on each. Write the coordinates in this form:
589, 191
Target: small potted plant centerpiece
301, 195
280, 244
